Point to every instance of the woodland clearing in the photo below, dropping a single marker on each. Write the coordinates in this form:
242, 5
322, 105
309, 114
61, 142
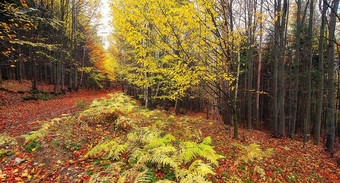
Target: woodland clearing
114, 139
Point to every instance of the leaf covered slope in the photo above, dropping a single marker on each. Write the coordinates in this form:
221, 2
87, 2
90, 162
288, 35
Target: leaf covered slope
115, 140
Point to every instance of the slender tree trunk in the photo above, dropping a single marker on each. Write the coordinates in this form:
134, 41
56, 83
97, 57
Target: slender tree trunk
309, 82
62, 75
56, 75
321, 73
331, 69
235, 117
250, 58
19, 65
34, 71
276, 60
70, 77
76, 87
297, 63
281, 77
46, 73
259, 67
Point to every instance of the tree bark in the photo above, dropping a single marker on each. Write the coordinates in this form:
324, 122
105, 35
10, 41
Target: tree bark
281, 77
321, 73
331, 69
259, 67
309, 79
276, 60
297, 63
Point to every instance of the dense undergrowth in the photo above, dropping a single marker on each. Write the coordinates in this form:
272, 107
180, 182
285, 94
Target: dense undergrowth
115, 140
146, 147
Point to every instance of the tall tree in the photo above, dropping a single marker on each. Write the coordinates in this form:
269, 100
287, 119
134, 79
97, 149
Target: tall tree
277, 12
331, 70
259, 66
281, 76
309, 76
321, 73
297, 67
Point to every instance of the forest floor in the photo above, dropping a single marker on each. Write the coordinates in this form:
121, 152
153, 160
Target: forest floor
47, 141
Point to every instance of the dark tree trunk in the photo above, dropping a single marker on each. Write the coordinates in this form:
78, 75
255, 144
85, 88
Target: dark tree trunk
331, 69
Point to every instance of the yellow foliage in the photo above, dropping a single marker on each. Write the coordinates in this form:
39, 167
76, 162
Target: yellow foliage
252, 153
42, 131
149, 144
146, 145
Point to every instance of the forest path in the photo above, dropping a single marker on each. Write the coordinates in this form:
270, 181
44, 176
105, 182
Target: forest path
25, 116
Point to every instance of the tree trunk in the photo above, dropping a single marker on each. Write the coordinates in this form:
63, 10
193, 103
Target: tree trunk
297, 63
309, 79
281, 78
19, 66
62, 76
331, 69
259, 67
34, 71
56, 75
250, 58
276, 60
321, 73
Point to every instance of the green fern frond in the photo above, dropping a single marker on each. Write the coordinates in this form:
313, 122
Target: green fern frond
207, 140
260, 171
163, 156
252, 153
164, 160
168, 138
154, 144
269, 152
105, 146
194, 179
165, 181
4, 138
144, 176
181, 173
117, 150
199, 168
137, 152
38, 133
189, 151
208, 153
131, 175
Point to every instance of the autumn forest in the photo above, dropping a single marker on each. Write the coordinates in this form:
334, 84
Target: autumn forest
173, 91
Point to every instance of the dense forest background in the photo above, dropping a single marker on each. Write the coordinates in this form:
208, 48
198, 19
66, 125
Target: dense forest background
257, 64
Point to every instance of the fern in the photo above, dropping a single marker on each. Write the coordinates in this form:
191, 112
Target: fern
147, 144
194, 179
117, 151
191, 150
165, 181
207, 141
110, 172
116, 105
260, 171
252, 153
39, 133
143, 177
105, 146
4, 138
200, 168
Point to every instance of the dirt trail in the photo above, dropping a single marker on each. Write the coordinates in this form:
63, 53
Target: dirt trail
22, 118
